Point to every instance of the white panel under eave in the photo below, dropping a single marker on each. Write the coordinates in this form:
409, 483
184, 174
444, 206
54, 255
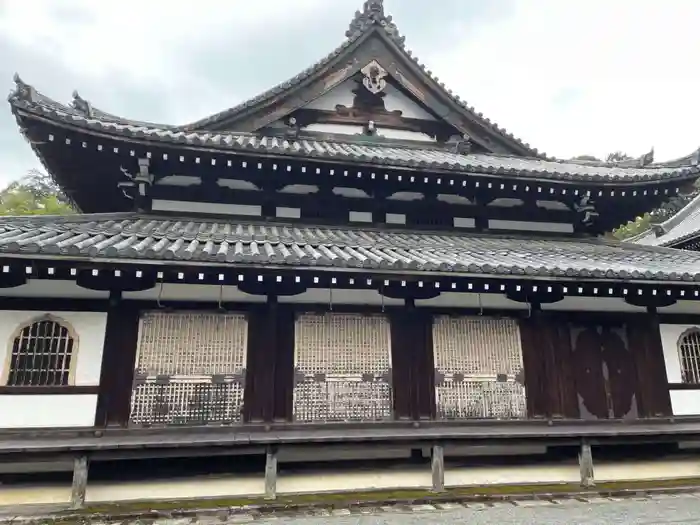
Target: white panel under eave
178, 180
551, 227
340, 129
682, 307
340, 95
402, 134
395, 100
194, 292
209, 208
340, 297
471, 300
50, 289
594, 304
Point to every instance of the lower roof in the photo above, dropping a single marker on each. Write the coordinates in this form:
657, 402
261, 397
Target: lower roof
133, 237
683, 227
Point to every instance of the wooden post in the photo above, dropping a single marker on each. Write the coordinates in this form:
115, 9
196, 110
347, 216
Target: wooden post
271, 473
438, 466
118, 363
80, 478
585, 461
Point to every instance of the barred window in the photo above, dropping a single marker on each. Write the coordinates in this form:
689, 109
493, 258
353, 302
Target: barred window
689, 356
42, 354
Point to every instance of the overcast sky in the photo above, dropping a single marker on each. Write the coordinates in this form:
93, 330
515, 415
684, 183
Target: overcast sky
570, 77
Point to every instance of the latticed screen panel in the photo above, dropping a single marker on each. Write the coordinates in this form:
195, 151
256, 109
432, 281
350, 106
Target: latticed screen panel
478, 365
41, 355
343, 368
689, 354
190, 368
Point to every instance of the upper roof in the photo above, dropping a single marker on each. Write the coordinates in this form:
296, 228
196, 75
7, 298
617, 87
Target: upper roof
385, 152
151, 238
371, 35
682, 227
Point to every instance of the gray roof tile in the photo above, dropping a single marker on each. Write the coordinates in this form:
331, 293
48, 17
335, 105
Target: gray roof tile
143, 237
362, 152
683, 226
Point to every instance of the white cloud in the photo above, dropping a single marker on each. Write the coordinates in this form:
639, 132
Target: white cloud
584, 76
573, 77
137, 40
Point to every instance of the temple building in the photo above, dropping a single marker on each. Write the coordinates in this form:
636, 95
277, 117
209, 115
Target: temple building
356, 255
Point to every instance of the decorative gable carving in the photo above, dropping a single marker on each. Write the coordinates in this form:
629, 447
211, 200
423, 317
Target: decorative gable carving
374, 77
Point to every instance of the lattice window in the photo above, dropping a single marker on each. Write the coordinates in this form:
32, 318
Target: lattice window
42, 354
689, 356
190, 368
343, 366
478, 364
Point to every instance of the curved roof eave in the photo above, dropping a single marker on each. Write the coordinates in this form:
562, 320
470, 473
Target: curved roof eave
387, 154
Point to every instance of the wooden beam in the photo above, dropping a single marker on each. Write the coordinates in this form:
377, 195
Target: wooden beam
438, 467
80, 478
271, 473
585, 461
118, 360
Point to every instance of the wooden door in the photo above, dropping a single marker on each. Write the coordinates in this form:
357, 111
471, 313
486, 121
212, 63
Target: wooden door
605, 373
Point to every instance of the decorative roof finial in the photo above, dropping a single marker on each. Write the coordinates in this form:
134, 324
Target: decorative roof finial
373, 13
81, 105
23, 92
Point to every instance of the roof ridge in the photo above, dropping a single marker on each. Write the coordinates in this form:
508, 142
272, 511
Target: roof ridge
371, 18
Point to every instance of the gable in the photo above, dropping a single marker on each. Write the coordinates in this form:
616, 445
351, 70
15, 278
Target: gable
384, 110
372, 38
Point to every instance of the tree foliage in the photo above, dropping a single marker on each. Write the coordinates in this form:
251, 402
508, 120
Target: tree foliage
34, 194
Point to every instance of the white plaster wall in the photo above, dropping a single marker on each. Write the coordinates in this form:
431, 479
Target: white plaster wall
340, 95
396, 100
471, 300
594, 304
61, 410
50, 289
683, 402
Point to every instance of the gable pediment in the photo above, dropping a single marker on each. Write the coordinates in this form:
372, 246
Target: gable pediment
373, 42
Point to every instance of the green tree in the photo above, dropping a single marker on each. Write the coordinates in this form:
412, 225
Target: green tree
34, 194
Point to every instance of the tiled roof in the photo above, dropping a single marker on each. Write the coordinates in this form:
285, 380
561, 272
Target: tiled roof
682, 227
142, 237
371, 18
360, 151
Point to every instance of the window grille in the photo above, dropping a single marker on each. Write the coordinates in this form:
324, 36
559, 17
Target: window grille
343, 368
42, 354
689, 355
190, 368
478, 361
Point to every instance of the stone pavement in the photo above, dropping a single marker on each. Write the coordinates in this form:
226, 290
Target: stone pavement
676, 509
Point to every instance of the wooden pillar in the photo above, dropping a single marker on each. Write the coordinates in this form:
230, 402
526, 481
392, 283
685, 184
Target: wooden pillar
438, 467
118, 362
283, 382
645, 345
271, 472
270, 363
413, 376
585, 461
80, 478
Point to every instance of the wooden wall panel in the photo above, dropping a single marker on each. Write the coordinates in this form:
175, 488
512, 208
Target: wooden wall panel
413, 376
645, 345
549, 373
270, 371
118, 362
